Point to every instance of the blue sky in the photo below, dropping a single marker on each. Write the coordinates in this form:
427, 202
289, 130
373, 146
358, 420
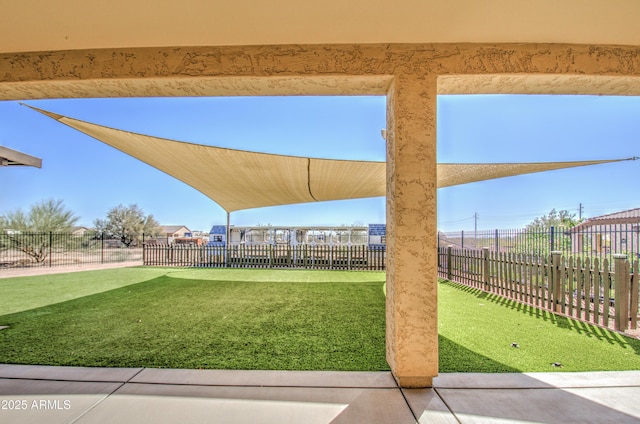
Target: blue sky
91, 177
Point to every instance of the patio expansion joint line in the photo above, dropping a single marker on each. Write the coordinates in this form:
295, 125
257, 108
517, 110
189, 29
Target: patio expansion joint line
95, 405
406, 401
106, 396
65, 380
447, 405
135, 375
272, 386
623, 386
72, 380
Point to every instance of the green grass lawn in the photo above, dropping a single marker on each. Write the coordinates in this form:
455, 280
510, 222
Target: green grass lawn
276, 319
234, 319
477, 329
24, 293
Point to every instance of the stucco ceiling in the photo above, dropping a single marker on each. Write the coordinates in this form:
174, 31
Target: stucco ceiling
32, 25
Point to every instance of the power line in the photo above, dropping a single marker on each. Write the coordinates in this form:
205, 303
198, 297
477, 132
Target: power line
457, 220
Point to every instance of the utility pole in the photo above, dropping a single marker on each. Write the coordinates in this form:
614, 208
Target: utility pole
580, 208
475, 229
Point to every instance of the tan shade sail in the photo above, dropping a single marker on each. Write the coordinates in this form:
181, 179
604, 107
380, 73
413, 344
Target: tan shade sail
238, 179
451, 174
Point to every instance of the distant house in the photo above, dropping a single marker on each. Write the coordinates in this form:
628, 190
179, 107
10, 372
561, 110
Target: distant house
172, 232
175, 231
80, 231
617, 232
218, 235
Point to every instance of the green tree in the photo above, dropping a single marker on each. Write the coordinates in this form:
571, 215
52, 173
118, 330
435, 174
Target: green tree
45, 225
127, 224
538, 237
562, 218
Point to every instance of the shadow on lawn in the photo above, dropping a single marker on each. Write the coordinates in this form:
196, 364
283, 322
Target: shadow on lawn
188, 323
560, 321
453, 357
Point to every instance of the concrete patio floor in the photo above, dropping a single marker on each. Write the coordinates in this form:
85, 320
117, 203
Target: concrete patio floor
42, 394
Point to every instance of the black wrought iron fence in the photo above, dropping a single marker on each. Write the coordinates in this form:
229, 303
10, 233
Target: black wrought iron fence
578, 242
19, 249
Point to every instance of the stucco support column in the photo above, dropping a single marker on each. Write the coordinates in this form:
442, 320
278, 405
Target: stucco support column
411, 308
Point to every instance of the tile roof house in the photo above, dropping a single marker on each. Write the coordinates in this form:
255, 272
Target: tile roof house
614, 233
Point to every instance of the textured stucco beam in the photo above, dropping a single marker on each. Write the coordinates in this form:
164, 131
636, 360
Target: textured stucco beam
10, 157
179, 86
539, 84
333, 85
348, 69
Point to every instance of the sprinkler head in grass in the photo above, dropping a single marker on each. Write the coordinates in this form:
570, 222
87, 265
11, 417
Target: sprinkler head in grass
514, 344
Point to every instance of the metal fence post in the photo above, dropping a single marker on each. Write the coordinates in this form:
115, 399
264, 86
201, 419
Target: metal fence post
449, 273
556, 285
485, 267
621, 291
633, 292
50, 249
